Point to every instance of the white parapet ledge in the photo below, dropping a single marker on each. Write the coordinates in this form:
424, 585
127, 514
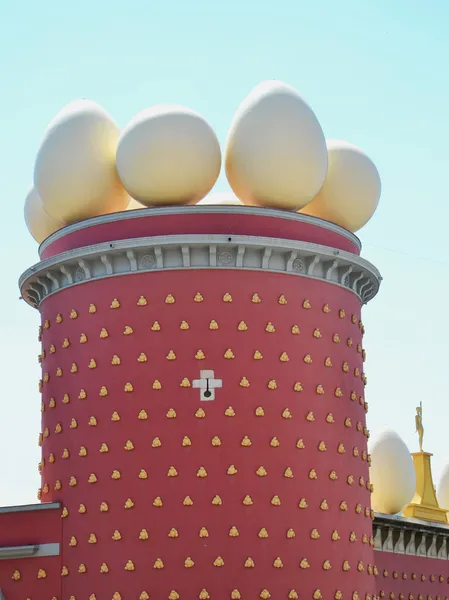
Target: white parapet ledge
30, 507
199, 252
404, 535
34, 551
128, 215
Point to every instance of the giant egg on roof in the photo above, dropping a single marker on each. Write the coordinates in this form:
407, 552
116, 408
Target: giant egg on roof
75, 172
351, 191
168, 154
39, 223
276, 151
392, 473
221, 199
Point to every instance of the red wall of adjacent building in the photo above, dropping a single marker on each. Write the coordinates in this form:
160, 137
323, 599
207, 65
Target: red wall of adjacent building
188, 520
26, 528
400, 576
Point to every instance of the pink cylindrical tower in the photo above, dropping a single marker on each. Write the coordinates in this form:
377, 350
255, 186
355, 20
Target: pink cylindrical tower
203, 405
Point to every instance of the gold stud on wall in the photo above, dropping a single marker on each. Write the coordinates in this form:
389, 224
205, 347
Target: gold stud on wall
155, 326
142, 301
115, 303
73, 314
272, 385
213, 325
170, 299
104, 333
282, 299
256, 299
270, 327
115, 360
198, 297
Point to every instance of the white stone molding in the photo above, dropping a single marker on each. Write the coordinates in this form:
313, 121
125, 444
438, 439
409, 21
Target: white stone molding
179, 252
402, 535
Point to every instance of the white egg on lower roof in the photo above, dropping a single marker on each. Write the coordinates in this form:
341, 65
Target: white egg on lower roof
392, 473
443, 489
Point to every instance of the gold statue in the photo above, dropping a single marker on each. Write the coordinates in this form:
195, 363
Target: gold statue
419, 425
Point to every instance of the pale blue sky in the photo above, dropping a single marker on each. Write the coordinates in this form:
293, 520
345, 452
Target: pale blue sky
374, 72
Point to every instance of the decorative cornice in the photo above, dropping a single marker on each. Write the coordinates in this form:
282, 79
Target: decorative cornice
180, 252
413, 537
199, 210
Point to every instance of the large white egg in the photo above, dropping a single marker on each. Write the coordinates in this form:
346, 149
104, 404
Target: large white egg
392, 473
221, 199
351, 191
75, 173
276, 151
443, 489
168, 154
39, 223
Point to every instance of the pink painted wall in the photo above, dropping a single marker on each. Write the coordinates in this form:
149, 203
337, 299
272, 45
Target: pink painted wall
206, 224
402, 577
232, 489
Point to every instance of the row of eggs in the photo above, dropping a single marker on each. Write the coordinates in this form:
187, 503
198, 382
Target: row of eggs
393, 475
276, 156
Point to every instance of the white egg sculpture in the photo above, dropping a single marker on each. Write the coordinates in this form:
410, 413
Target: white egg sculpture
392, 473
168, 154
443, 489
351, 191
39, 223
75, 173
221, 199
276, 151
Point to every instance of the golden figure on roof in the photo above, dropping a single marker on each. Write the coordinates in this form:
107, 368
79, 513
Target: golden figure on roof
419, 425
